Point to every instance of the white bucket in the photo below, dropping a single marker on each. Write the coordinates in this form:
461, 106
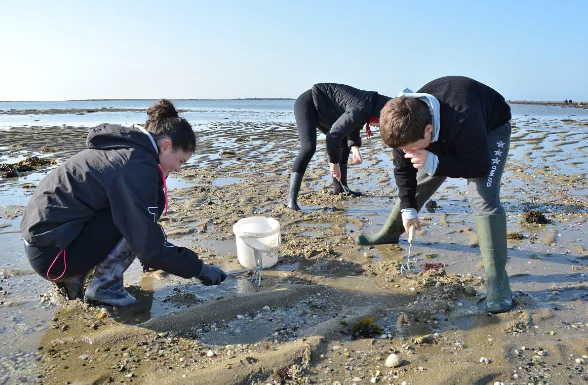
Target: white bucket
259, 233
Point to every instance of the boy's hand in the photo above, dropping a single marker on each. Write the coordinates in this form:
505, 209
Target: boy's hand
335, 170
418, 157
411, 222
356, 155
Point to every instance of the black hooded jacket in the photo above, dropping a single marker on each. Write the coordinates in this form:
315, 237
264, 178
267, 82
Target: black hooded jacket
342, 113
468, 111
119, 171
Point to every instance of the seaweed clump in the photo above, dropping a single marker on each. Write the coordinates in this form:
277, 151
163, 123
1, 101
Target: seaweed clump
13, 170
514, 235
535, 217
431, 206
366, 328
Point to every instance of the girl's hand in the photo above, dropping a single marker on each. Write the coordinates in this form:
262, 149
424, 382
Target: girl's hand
335, 170
356, 155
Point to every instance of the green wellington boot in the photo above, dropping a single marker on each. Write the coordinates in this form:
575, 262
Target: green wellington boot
492, 236
390, 233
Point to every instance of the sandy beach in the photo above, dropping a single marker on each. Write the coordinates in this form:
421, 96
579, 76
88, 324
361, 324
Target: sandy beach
330, 312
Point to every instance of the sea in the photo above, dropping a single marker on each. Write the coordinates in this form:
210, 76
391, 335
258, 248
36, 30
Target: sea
198, 112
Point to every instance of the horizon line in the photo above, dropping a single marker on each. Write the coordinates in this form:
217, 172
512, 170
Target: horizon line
111, 99
517, 101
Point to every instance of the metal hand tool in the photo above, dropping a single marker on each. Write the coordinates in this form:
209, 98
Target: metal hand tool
406, 264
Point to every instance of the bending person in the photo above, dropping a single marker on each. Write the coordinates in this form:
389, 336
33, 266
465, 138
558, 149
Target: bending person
459, 128
339, 112
100, 208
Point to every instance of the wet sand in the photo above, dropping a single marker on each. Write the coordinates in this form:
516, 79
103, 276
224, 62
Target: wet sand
298, 327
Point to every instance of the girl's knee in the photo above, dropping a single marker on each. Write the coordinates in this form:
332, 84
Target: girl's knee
307, 149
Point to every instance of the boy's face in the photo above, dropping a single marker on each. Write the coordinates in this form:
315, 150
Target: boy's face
420, 144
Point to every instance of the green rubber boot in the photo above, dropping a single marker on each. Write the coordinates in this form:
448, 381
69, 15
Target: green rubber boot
492, 236
390, 233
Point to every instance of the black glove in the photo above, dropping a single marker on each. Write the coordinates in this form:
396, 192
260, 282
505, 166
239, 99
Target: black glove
211, 275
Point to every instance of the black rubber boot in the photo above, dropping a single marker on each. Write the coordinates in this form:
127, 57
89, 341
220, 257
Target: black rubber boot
338, 189
293, 190
72, 288
107, 285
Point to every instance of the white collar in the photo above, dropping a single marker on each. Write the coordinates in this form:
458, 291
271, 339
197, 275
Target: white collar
149, 136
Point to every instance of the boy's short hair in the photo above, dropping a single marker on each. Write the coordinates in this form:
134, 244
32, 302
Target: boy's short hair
403, 121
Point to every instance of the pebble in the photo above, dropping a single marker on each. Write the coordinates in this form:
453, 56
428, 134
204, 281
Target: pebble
484, 360
240, 316
210, 353
266, 309
84, 357
356, 379
470, 291
393, 360
373, 380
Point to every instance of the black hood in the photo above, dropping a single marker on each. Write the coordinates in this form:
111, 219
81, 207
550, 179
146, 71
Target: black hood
112, 136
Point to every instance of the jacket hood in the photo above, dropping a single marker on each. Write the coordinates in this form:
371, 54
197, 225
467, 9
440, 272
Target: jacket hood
433, 105
112, 136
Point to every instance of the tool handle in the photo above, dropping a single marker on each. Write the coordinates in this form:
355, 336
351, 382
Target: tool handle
411, 233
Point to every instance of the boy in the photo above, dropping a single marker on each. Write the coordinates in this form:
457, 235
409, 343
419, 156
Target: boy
459, 128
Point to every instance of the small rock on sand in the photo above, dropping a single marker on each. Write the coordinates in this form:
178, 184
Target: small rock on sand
394, 360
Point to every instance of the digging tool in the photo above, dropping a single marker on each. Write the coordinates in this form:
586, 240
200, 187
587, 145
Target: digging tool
345, 188
406, 264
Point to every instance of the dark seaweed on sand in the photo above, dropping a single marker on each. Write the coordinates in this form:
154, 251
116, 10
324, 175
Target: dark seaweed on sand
12, 170
535, 217
366, 328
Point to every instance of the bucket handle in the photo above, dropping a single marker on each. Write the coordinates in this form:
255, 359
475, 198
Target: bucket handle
268, 250
260, 235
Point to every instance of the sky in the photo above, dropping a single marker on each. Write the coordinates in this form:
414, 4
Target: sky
218, 49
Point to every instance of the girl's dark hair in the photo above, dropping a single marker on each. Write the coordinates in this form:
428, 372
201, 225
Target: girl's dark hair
164, 123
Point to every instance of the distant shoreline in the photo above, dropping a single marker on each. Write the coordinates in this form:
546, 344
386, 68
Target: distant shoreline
84, 111
116, 100
550, 103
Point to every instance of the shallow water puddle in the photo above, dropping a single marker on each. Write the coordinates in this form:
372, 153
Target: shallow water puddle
225, 181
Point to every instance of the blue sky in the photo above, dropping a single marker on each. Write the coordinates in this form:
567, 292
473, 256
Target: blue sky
57, 50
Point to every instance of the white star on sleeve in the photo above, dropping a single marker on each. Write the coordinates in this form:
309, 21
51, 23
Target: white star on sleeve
500, 144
